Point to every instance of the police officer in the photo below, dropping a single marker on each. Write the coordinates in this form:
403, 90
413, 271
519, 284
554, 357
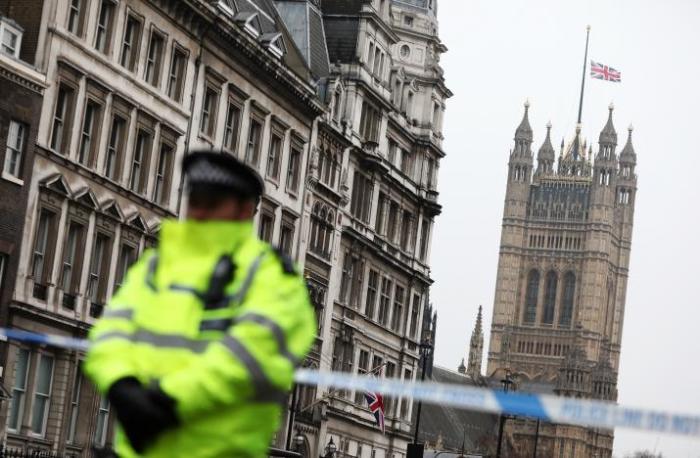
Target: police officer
196, 351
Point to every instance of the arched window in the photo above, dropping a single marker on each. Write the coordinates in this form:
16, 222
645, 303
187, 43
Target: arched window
550, 298
328, 167
567, 307
321, 237
533, 288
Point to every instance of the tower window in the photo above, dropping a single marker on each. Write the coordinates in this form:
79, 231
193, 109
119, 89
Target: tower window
568, 299
550, 298
533, 287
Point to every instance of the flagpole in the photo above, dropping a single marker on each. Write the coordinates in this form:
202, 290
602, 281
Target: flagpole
583, 76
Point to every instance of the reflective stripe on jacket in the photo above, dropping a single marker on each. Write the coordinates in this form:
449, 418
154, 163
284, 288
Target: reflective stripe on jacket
215, 317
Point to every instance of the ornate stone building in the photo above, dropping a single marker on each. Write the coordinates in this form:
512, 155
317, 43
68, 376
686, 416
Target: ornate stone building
562, 280
338, 105
371, 205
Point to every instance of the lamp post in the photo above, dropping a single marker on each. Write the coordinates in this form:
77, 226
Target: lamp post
415, 450
330, 450
506, 382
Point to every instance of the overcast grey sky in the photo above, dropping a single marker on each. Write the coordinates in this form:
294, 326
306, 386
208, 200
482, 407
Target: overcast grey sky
502, 52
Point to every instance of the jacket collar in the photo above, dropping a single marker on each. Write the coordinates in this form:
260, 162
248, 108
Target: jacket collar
180, 239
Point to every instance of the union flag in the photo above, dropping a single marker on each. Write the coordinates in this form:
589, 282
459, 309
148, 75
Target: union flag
603, 72
376, 406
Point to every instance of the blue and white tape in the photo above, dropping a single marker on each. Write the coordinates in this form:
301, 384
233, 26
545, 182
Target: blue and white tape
548, 408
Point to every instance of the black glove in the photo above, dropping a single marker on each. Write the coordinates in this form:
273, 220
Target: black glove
144, 413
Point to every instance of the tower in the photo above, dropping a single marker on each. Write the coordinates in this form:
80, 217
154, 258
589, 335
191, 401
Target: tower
476, 349
562, 272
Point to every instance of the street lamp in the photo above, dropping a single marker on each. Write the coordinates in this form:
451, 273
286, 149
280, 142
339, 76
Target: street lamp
330, 449
298, 441
415, 450
506, 382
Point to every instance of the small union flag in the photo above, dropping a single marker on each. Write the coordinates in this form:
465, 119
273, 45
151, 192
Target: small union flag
603, 72
376, 406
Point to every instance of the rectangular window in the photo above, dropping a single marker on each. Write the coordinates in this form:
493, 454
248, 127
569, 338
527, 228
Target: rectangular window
115, 148
405, 403
267, 224
369, 124
252, 152
389, 404
127, 255
274, 156
74, 406
161, 191
139, 165
176, 75
103, 34
130, 43
362, 369
372, 286
102, 421
361, 197
89, 136
381, 209
384, 301
42, 394
19, 391
406, 230
16, 135
425, 236
415, 311
41, 258
293, 169
397, 312
76, 16
208, 122
233, 120
154, 61
407, 163
99, 269
72, 254
392, 222
286, 237
11, 40
60, 132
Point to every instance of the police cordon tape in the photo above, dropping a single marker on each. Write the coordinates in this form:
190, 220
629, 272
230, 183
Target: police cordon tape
553, 409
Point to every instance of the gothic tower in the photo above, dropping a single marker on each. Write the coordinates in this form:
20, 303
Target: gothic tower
476, 349
562, 272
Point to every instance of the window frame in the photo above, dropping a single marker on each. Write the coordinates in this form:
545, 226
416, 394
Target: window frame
107, 29
21, 390
210, 109
274, 161
162, 186
155, 65
88, 158
45, 396
144, 160
7, 28
135, 43
98, 294
116, 149
80, 15
67, 105
232, 124
177, 52
15, 153
103, 412
296, 154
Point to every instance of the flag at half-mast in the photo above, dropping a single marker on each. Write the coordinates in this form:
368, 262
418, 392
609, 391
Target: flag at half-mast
603, 72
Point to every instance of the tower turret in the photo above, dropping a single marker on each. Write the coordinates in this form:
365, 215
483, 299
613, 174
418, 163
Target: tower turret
606, 160
573, 161
604, 377
476, 348
575, 372
545, 156
628, 158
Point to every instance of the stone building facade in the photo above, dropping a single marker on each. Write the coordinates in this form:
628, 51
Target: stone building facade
562, 280
372, 203
324, 100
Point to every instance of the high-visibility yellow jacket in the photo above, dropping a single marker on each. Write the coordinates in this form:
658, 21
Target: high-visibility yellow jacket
228, 361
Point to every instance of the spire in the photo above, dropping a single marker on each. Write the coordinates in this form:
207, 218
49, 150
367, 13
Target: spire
524, 131
628, 156
547, 150
608, 136
462, 369
476, 348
